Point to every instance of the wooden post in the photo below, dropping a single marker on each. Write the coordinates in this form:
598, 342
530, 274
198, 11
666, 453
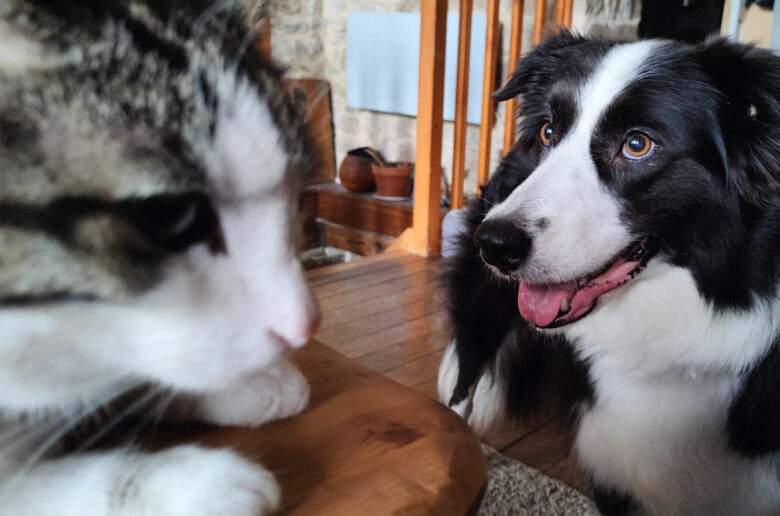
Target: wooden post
515, 48
560, 10
461, 104
426, 217
540, 14
567, 10
488, 86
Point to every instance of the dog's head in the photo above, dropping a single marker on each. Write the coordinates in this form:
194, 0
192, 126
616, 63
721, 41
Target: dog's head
647, 150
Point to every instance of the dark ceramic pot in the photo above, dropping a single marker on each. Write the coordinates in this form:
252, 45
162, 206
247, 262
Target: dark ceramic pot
355, 170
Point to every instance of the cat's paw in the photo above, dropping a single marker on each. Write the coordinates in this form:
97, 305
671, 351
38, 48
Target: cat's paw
195, 481
483, 407
275, 393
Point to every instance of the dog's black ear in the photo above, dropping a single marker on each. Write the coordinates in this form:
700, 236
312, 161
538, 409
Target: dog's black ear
560, 58
748, 80
540, 66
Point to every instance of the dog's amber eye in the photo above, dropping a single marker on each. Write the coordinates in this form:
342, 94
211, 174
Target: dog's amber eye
546, 133
638, 146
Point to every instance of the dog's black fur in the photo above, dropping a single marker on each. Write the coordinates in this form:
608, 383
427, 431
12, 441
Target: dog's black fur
713, 205
540, 368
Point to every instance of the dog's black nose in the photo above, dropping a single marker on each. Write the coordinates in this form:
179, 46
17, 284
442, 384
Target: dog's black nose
503, 245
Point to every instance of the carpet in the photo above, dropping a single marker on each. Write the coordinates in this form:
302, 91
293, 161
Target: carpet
514, 488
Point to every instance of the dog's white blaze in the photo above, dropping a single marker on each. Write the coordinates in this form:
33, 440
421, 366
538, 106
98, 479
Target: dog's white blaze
620, 67
585, 230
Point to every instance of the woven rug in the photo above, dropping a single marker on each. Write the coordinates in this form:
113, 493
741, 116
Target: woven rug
514, 488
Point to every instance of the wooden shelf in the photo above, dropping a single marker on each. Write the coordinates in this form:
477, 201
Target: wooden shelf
358, 241
361, 210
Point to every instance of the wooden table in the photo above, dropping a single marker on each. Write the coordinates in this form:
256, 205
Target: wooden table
366, 445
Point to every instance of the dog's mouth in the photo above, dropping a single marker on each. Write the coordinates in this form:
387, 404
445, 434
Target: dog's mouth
554, 305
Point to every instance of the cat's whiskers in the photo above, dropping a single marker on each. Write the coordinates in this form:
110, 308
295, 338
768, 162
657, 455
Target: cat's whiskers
19, 432
53, 429
66, 423
147, 397
160, 399
29, 427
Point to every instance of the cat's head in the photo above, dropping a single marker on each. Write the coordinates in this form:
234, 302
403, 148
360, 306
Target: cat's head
151, 165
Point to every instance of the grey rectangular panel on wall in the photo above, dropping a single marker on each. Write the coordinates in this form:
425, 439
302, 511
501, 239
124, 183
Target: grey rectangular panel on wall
383, 59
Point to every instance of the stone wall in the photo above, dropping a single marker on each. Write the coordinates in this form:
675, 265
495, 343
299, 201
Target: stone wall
309, 37
615, 19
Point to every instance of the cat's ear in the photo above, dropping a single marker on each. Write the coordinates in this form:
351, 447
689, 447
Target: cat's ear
19, 52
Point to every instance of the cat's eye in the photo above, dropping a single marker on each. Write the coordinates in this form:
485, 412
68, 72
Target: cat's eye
638, 145
173, 223
546, 133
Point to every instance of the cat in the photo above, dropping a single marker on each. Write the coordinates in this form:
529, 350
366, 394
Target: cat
150, 166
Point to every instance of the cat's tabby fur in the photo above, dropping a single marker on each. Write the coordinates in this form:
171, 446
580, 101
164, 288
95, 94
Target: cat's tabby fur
150, 164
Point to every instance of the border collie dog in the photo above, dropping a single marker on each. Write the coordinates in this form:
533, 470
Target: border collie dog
624, 263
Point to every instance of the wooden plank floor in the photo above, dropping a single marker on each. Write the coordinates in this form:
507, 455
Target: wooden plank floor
387, 312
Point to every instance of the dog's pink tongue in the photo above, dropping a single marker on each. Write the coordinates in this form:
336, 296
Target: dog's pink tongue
539, 304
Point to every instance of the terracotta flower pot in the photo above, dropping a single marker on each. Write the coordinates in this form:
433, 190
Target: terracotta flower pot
355, 169
393, 180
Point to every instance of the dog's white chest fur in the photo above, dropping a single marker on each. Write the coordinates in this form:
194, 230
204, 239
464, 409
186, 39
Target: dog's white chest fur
663, 439
663, 388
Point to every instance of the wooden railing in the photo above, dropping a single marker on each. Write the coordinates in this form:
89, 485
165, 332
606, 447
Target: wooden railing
424, 236
426, 216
